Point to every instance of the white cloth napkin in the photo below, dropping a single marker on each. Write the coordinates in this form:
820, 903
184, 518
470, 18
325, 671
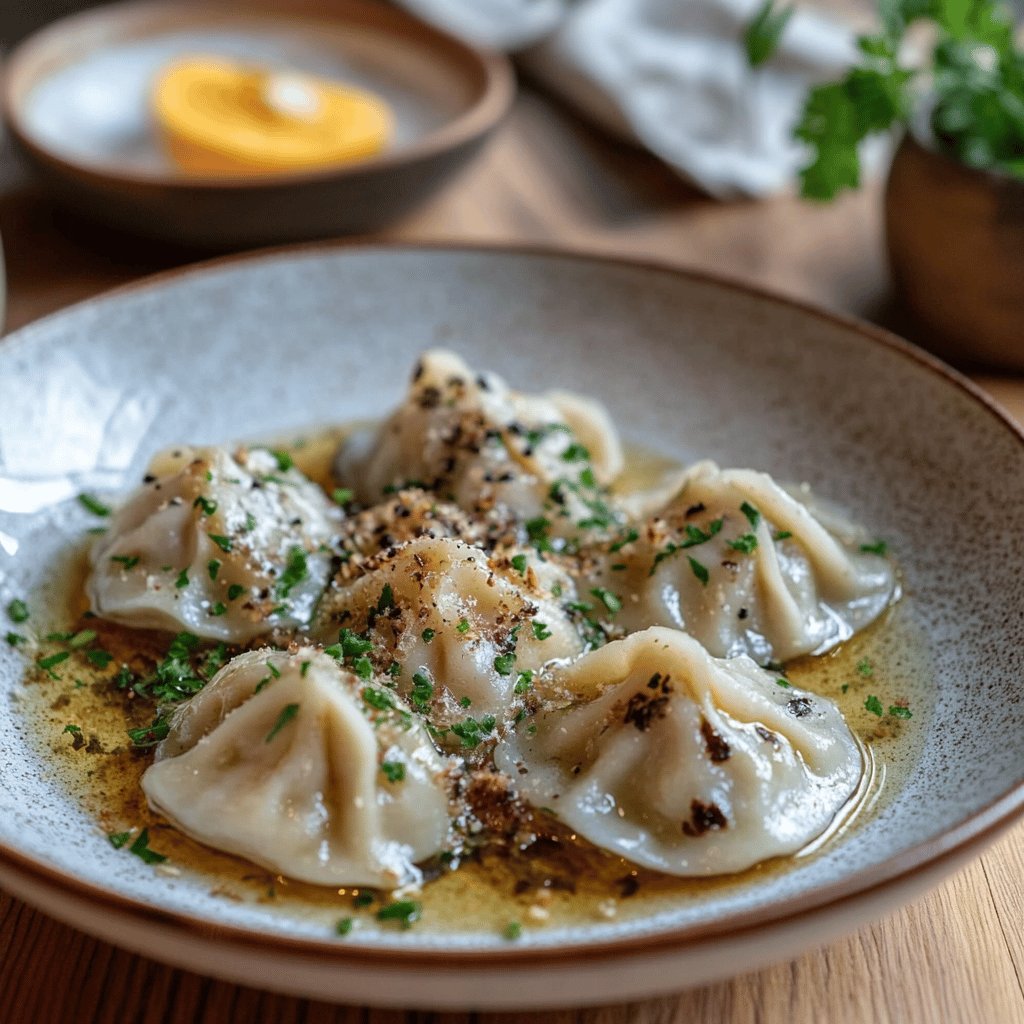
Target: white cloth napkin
670, 75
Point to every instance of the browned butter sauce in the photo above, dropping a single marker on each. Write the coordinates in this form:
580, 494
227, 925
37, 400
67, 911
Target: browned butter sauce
558, 879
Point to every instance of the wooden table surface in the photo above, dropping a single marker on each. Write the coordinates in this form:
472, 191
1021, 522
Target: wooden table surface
956, 955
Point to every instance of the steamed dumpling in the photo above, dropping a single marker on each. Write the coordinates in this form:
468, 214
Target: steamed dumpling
746, 568
682, 762
293, 762
226, 546
456, 627
491, 450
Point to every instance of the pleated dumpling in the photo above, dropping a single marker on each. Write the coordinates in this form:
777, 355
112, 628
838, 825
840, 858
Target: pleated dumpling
471, 439
746, 568
682, 762
292, 761
226, 546
460, 632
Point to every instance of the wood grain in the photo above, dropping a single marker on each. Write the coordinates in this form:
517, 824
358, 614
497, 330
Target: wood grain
955, 956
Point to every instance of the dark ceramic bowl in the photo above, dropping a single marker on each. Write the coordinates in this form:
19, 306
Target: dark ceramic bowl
75, 99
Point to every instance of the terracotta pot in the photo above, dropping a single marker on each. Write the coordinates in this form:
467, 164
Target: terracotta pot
956, 247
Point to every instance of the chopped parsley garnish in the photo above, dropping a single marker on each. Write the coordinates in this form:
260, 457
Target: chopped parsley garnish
213, 567
235, 591
150, 735
75, 730
540, 630
127, 561
53, 659
363, 899
141, 849
512, 931
218, 608
101, 659
405, 912
865, 668
352, 644
81, 639
422, 691
746, 544
537, 531
224, 543
208, 507
344, 926
182, 581
471, 732
576, 453
874, 705
342, 495
427, 635
379, 699
304, 668
880, 547
700, 571
288, 713
295, 571
386, 599
784, 683
13, 639
627, 538
250, 522
763, 32
781, 535
363, 668
695, 535
118, 839
753, 516
504, 663
611, 601
519, 563
94, 505
463, 626
899, 711
283, 459
394, 771
17, 610
523, 682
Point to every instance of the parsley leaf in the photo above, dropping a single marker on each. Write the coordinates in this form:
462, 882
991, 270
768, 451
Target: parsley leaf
288, 712
763, 32
94, 505
874, 705
700, 571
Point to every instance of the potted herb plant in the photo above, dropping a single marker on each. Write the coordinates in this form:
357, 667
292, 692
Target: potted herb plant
954, 203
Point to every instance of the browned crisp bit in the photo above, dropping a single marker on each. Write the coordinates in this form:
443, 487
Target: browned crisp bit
628, 886
643, 708
717, 746
799, 707
704, 818
767, 735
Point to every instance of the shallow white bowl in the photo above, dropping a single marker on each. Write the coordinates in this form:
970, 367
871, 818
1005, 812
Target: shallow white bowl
689, 365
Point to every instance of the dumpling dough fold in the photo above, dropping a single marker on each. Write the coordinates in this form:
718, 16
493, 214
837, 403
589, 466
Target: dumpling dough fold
291, 761
682, 762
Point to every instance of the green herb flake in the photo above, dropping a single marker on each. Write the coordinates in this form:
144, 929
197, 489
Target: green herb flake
51, 660
865, 668
288, 713
627, 538
519, 563
611, 601
206, 506
363, 899
386, 599
295, 571
75, 730
427, 635
99, 658
899, 711
422, 691
405, 912
540, 630
81, 639
304, 668
213, 567
784, 683
874, 705
13, 639
880, 547
504, 663
379, 699
763, 32
752, 514
182, 581
576, 452
699, 570
118, 839
235, 591
394, 771
343, 926
523, 682
512, 931
218, 608
224, 543
17, 610
141, 849
463, 626
781, 535
746, 544
342, 495
127, 561
94, 505
283, 459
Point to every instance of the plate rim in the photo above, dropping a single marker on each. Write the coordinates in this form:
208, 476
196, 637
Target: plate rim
972, 834
497, 91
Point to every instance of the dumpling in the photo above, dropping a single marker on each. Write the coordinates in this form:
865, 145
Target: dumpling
462, 633
226, 546
293, 762
682, 762
491, 450
746, 568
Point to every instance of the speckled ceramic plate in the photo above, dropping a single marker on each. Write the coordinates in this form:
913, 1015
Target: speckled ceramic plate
688, 365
